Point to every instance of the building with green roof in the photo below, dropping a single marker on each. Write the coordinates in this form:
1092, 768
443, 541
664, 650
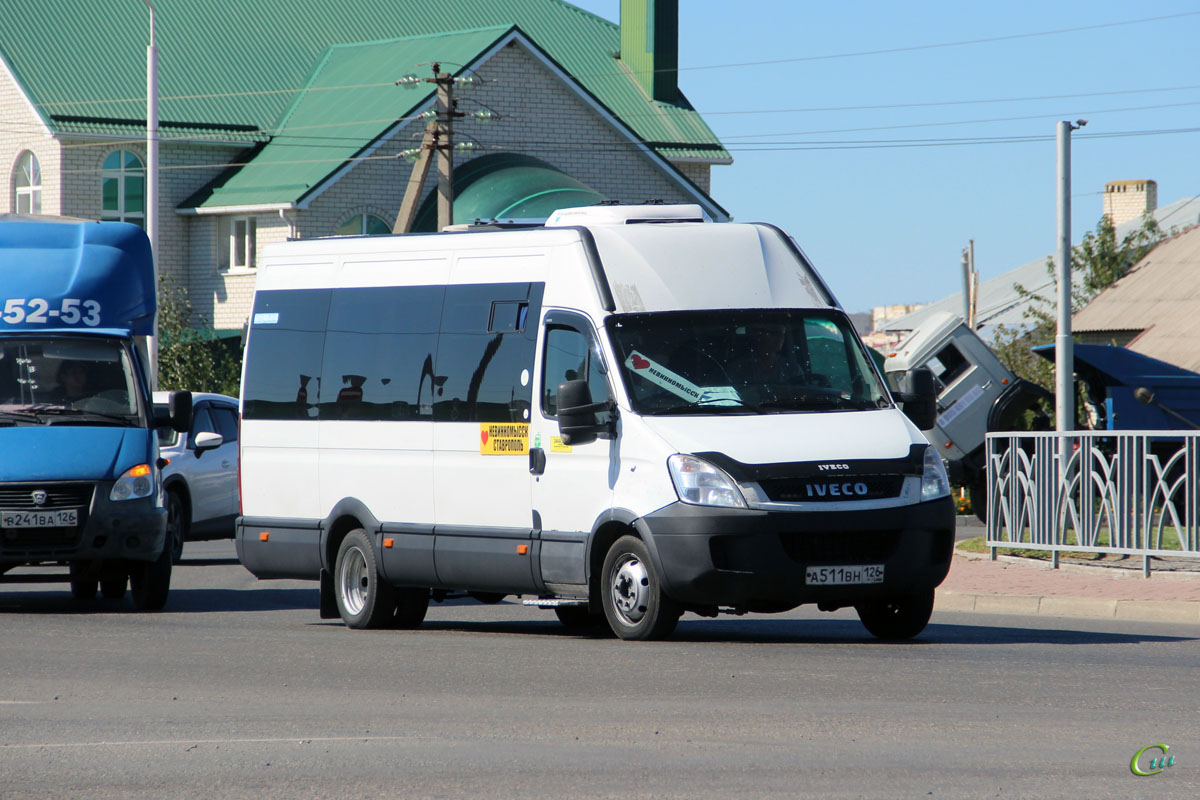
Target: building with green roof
283, 118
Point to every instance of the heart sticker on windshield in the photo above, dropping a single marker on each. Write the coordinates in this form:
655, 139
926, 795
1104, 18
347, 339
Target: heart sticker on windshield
483, 436
639, 362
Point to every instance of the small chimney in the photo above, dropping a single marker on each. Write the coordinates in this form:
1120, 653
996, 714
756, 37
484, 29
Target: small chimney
650, 45
1126, 200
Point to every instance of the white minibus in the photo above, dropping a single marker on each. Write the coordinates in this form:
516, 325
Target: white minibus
623, 415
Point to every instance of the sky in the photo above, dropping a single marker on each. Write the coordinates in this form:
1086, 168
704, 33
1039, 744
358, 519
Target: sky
884, 136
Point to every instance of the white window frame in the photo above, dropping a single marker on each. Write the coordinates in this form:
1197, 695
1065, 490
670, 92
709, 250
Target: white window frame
121, 174
28, 181
238, 238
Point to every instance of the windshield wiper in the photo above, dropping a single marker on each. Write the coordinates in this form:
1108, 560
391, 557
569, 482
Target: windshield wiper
21, 415
79, 413
706, 405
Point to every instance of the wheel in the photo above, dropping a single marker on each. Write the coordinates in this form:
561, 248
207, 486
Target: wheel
577, 617
363, 599
177, 525
634, 603
899, 617
150, 581
83, 587
491, 598
113, 588
411, 605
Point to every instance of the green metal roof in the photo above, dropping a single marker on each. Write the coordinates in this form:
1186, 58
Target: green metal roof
231, 68
508, 186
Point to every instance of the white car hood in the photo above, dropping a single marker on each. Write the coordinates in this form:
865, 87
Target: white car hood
776, 438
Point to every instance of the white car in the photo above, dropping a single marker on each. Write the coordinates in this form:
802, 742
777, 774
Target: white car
201, 480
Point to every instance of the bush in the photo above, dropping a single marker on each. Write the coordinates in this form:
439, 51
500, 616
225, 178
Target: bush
190, 358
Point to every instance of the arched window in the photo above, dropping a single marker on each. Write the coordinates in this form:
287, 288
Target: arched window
123, 188
363, 225
29, 184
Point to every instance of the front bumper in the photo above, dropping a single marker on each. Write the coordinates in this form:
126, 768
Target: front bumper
133, 530
756, 560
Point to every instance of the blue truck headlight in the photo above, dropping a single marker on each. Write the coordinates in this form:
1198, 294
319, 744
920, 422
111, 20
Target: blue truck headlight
136, 482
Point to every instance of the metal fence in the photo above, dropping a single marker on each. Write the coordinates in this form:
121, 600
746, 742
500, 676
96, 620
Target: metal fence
1128, 493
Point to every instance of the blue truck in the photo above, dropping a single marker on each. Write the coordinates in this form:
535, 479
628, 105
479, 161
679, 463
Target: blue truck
80, 473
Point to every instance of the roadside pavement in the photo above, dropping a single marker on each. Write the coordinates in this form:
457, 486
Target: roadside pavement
1012, 585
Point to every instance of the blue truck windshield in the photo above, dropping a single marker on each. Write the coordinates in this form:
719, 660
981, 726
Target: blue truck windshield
765, 361
67, 381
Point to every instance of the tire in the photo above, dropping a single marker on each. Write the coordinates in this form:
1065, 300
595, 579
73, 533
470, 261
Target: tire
577, 618
634, 603
150, 581
364, 600
82, 587
177, 525
113, 588
897, 618
411, 606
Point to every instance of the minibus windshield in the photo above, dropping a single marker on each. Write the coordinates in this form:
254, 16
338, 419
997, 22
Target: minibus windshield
746, 361
67, 381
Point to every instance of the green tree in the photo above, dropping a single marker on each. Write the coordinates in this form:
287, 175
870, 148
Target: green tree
1099, 260
192, 358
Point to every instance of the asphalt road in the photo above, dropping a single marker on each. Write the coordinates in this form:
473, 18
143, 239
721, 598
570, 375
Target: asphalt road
238, 690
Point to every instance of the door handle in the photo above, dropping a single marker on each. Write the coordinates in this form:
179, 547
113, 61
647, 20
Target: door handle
537, 461
226, 464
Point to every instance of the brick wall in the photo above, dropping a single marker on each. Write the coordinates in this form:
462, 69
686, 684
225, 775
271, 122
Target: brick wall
1126, 200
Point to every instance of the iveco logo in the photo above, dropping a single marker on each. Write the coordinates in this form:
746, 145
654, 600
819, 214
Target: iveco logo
827, 467
837, 489
39, 498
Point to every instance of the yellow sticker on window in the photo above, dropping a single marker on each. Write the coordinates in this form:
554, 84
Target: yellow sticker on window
504, 438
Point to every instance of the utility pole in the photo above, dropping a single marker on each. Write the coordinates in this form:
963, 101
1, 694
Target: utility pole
152, 182
1064, 346
438, 138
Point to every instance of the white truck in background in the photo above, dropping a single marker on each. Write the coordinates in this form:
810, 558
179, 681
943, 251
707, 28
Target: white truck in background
977, 394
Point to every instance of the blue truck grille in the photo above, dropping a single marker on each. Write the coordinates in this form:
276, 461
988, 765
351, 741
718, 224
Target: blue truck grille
41, 542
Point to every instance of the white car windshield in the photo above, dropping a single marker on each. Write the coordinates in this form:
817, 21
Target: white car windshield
766, 361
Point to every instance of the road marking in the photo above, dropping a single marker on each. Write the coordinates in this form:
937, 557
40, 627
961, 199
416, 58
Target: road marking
176, 742
20, 702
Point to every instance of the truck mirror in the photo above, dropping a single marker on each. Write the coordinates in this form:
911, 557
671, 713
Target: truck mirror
577, 413
918, 397
179, 406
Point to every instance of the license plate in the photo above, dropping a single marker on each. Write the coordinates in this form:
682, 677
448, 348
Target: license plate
58, 518
844, 576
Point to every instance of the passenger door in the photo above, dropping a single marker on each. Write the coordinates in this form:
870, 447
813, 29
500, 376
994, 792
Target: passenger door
575, 486
203, 469
225, 501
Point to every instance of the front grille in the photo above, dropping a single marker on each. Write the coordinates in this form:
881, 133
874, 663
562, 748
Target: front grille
832, 489
19, 496
41, 542
840, 547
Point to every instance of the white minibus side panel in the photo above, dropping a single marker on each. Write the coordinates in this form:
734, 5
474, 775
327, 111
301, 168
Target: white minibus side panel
279, 469
386, 465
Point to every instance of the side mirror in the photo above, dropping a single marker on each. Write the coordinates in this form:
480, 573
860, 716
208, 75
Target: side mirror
918, 397
577, 413
208, 441
177, 414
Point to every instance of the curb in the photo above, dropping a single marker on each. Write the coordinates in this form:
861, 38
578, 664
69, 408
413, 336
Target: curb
1174, 611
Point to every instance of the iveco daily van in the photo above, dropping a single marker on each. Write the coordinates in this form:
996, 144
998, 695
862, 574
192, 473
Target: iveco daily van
625, 414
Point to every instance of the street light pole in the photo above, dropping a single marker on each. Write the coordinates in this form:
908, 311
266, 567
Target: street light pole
1064, 346
152, 181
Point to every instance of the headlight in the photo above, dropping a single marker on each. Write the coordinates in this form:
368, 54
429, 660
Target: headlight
934, 483
701, 484
136, 482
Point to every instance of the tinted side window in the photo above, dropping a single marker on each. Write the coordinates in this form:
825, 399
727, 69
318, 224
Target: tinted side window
570, 355
378, 362
283, 357
948, 365
484, 362
226, 421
